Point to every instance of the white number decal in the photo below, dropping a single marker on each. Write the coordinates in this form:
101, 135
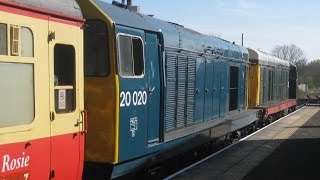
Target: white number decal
122, 97
128, 99
140, 98
26, 176
137, 98
144, 97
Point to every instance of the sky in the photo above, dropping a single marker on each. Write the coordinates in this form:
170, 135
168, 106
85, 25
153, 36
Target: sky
264, 23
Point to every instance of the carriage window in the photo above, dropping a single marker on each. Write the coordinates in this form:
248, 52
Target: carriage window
26, 42
16, 94
234, 87
96, 49
3, 39
64, 78
131, 61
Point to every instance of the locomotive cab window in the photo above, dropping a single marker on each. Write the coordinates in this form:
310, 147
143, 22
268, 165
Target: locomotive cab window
234, 87
64, 78
130, 56
3, 39
96, 49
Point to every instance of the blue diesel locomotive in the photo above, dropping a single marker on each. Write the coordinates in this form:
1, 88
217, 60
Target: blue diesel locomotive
154, 89
130, 90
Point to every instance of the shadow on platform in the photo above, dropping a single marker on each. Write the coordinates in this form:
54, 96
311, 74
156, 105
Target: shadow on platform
295, 158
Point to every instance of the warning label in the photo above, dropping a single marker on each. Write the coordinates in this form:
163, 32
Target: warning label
62, 99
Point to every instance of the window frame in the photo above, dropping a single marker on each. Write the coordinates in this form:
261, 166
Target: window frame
118, 56
234, 89
66, 86
107, 55
9, 28
13, 29
19, 59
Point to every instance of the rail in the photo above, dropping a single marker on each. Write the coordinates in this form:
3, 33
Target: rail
312, 99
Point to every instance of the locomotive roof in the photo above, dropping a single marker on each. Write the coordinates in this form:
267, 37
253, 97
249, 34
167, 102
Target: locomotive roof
65, 7
174, 35
266, 59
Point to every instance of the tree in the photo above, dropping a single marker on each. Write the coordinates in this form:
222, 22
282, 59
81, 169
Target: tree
292, 53
310, 74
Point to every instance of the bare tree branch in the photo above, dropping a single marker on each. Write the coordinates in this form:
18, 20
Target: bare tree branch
292, 53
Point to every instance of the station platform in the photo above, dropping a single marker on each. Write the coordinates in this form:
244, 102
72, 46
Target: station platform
287, 149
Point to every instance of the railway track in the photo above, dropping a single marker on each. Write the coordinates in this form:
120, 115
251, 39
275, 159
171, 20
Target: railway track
312, 99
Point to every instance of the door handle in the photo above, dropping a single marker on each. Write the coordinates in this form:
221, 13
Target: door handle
84, 116
207, 90
197, 91
52, 116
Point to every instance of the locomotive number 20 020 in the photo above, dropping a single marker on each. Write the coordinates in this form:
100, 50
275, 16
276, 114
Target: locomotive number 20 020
136, 98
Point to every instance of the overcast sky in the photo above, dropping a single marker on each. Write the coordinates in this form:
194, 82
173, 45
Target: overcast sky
265, 23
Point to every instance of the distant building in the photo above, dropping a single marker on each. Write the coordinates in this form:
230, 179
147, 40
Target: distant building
303, 87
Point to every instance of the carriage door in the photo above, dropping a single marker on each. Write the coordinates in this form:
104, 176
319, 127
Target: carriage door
153, 73
64, 101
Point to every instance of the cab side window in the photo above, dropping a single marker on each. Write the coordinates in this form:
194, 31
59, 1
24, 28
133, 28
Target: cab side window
130, 56
96, 49
64, 78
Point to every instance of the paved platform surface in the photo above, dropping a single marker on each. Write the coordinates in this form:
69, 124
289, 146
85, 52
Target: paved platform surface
288, 149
